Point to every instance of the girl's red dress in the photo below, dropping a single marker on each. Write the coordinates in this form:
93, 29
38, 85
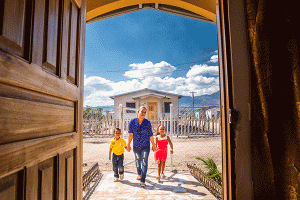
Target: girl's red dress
162, 149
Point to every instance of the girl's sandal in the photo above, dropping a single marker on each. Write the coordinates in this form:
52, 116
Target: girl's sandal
158, 178
163, 175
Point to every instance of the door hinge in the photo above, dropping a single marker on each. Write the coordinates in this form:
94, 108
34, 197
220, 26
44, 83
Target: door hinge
232, 116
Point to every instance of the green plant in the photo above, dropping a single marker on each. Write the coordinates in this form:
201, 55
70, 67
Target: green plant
213, 170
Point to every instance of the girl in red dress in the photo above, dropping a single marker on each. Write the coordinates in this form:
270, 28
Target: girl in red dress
160, 155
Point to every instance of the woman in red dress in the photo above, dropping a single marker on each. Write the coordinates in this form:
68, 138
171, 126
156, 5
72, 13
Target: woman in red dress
160, 155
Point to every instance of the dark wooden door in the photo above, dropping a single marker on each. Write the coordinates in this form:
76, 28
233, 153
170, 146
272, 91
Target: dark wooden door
41, 94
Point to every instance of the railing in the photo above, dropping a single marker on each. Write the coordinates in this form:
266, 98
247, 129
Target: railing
180, 126
208, 183
192, 126
92, 175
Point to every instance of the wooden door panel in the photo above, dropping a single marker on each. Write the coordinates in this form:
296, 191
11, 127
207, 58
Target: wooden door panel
46, 179
38, 32
12, 187
34, 119
32, 185
50, 56
41, 97
16, 156
72, 63
66, 175
12, 26
33, 78
8, 187
12, 91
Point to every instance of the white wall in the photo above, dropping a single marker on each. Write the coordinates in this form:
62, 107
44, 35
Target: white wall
160, 102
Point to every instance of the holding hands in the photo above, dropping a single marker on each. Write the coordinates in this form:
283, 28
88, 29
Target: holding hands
128, 148
153, 148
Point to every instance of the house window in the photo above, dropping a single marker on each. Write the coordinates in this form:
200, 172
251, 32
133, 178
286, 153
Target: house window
130, 105
167, 107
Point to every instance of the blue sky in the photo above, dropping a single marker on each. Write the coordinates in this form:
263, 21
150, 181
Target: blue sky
149, 49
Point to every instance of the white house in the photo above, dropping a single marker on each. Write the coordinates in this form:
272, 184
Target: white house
156, 102
213, 113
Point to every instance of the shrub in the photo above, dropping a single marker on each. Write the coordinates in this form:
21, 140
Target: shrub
213, 172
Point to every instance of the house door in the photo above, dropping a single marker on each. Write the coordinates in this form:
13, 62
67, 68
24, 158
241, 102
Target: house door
152, 111
41, 94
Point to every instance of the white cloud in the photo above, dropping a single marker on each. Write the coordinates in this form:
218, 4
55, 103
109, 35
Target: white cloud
98, 90
214, 59
202, 70
142, 70
200, 78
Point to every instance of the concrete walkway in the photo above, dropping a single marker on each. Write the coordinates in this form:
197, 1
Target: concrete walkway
181, 186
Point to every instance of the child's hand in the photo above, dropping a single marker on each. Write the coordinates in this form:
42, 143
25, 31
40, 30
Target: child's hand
128, 148
171, 151
153, 148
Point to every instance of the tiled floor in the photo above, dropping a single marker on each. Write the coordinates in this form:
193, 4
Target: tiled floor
174, 186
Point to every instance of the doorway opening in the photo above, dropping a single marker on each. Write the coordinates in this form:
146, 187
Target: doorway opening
151, 58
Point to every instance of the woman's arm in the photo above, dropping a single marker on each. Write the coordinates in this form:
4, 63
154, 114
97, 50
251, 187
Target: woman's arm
153, 144
130, 136
171, 144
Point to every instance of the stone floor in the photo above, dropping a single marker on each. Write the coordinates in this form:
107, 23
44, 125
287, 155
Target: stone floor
175, 186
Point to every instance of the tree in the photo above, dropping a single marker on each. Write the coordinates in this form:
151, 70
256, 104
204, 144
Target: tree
90, 113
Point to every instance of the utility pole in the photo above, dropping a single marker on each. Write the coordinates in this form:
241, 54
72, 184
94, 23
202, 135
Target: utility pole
193, 101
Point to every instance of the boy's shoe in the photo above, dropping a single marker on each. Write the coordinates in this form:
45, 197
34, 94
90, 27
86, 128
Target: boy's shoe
158, 178
143, 184
116, 179
121, 177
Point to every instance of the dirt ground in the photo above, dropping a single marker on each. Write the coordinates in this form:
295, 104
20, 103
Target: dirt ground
186, 149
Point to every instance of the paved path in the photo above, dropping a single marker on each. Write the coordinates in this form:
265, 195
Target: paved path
175, 186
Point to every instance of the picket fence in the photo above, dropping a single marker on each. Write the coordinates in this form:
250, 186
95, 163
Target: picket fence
184, 126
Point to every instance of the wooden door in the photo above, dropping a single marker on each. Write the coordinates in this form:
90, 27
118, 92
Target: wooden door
41, 94
152, 111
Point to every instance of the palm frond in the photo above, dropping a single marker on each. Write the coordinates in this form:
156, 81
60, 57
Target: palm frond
213, 170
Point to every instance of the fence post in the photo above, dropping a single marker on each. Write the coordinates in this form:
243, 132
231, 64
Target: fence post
121, 119
171, 133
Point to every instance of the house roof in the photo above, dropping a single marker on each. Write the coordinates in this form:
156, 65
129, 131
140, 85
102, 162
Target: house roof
151, 92
143, 96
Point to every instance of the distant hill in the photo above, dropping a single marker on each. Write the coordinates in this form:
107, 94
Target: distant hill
200, 101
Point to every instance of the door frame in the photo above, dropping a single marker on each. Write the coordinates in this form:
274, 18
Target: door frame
235, 96
235, 104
